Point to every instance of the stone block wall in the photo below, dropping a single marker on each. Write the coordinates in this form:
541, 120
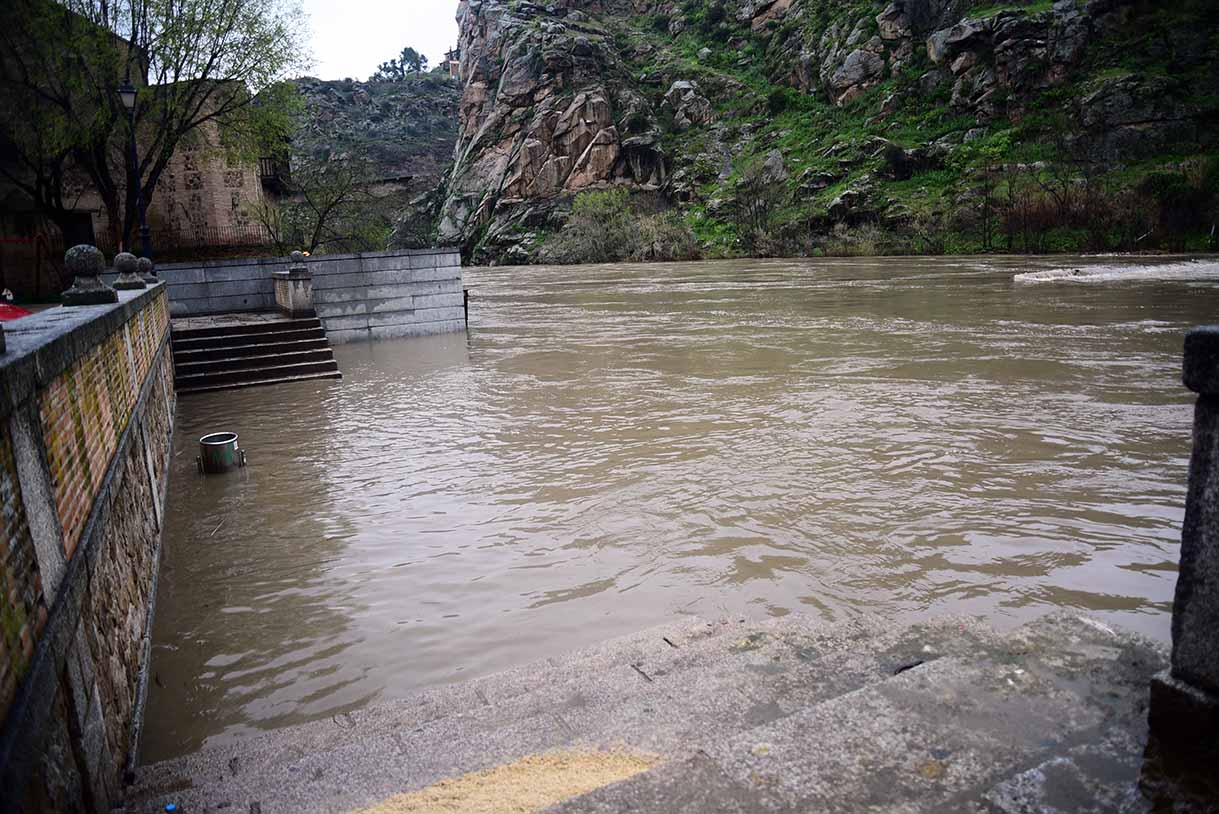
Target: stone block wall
374, 295
389, 295
86, 418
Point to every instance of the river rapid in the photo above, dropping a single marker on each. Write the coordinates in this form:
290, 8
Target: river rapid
610, 447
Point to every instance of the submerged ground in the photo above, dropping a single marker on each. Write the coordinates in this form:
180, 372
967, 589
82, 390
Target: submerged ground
614, 446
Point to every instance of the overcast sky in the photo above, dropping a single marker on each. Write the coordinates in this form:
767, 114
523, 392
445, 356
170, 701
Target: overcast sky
352, 37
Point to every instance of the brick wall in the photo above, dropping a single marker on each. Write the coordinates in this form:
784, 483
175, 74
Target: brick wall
87, 405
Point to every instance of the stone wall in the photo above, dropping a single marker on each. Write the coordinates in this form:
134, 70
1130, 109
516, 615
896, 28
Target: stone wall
408, 292
86, 415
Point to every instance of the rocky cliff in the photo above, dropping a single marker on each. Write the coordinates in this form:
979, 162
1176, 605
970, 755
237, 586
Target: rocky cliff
915, 116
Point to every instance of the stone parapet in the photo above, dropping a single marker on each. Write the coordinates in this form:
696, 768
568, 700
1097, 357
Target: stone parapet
375, 295
86, 416
230, 286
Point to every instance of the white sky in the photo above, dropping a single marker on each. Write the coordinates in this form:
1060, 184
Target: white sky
352, 37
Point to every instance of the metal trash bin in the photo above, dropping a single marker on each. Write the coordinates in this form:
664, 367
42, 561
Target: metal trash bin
218, 452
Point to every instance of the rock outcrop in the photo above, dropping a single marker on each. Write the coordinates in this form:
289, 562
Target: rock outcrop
670, 98
544, 113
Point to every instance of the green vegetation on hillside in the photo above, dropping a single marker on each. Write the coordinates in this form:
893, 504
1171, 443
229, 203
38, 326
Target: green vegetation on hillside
1030, 127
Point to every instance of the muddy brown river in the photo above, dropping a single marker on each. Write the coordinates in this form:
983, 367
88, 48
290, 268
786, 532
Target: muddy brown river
610, 447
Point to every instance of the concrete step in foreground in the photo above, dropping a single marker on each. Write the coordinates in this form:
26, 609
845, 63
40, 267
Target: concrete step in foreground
785, 715
225, 356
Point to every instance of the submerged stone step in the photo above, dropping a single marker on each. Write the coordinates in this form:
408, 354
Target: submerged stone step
233, 385
267, 348
666, 691
264, 361
275, 369
944, 733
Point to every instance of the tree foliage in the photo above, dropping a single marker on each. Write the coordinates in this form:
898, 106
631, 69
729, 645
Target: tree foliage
605, 227
194, 62
330, 208
396, 70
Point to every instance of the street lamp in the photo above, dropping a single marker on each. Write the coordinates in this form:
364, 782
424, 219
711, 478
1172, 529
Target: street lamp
127, 95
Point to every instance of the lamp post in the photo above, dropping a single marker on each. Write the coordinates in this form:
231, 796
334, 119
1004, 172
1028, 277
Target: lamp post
127, 94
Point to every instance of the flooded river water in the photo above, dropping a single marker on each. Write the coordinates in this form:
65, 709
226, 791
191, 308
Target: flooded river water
610, 447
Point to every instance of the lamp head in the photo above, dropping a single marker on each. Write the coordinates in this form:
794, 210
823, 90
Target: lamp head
127, 95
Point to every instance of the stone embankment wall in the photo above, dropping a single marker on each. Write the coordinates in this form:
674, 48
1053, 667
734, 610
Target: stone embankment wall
86, 418
408, 292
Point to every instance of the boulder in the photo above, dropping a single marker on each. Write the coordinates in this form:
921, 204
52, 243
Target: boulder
860, 71
851, 206
774, 171
893, 22
946, 43
688, 107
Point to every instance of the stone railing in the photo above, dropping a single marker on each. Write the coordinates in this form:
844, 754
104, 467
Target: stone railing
86, 418
1185, 698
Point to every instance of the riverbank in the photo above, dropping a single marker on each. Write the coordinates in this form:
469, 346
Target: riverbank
932, 717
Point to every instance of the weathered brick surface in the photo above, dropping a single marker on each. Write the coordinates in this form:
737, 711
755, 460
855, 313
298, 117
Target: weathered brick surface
85, 411
22, 607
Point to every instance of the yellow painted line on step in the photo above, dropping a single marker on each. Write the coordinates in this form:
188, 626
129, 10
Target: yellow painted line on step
524, 786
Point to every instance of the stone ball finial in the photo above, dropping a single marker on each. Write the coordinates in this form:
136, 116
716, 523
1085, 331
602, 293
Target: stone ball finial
128, 266
147, 270
126, 263
86, 264
297, 258
84, 261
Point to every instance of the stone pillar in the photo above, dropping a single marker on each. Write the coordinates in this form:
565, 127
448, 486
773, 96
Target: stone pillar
294, 289
1185, 698
128, 267
148, 272
86, 264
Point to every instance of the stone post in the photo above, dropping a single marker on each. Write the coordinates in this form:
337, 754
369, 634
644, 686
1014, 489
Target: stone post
148, 272
294, 289
128, 267
86, 264
1185, 698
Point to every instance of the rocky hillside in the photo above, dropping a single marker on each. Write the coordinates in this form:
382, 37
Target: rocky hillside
404, 129
782, 126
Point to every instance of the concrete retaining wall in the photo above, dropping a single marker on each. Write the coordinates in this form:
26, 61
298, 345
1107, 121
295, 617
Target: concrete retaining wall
86, 417
409, 292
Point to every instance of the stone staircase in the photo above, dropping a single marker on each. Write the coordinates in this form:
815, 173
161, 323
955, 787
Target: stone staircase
227, 355
780, 716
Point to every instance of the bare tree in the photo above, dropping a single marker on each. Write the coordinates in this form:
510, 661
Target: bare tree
330, 208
